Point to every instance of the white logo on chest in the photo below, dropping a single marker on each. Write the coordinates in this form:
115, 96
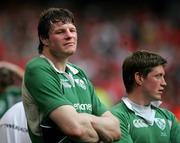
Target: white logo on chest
160, 123
66, 83
139, 123
81, 83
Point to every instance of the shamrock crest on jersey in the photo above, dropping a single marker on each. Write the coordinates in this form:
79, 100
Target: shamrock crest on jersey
81, 83
160, 123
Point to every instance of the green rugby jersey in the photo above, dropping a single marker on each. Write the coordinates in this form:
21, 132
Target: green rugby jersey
45, 88
135, 129
8, 98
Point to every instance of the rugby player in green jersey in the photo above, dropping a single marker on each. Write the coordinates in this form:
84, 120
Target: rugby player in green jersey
142, 120
60, 102
10, 85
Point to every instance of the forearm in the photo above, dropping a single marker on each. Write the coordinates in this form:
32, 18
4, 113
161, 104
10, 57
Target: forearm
75, 125
86, 127
107, 127
88, 133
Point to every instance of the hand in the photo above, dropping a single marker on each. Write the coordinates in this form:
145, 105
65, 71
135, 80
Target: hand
107, 127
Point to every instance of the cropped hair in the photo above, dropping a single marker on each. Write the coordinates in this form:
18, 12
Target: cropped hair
6, 78
142, 62
50, 16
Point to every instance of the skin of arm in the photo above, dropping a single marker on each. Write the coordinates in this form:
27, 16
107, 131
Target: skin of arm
75, 125
86, 127
107, 127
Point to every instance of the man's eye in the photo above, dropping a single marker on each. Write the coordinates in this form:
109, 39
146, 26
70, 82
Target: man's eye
73, 30
59, 32
159, 76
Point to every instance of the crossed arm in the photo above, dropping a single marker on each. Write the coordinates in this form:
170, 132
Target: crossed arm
86, 127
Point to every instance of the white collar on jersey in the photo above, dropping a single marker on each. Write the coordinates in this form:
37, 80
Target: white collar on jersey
146, 112
74, 71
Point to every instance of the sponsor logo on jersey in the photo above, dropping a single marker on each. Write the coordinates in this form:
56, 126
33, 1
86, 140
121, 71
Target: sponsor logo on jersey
14, 127
83, 107
160, 123
139, 123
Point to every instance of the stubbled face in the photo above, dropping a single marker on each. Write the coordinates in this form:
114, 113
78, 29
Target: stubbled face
62, 40
154, 84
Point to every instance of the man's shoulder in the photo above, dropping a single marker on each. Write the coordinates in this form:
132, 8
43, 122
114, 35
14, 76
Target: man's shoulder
122, 112
38, 65
119, 108
36, 61
165, 112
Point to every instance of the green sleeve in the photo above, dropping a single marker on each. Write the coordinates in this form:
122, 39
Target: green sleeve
124, 126
175, 130
45, 88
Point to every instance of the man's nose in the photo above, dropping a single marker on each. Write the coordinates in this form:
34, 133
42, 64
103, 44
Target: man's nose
69, 34
164, 83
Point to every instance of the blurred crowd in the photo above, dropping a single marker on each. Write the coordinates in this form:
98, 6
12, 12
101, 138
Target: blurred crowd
105, 39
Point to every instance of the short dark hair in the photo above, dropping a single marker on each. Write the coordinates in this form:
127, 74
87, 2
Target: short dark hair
50, 16
6, 78
142, 62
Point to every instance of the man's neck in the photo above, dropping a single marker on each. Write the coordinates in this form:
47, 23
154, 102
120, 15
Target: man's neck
59, 63
138, 98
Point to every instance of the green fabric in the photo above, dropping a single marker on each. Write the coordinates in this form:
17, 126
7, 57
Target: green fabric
51, 89
8, 98
135, 129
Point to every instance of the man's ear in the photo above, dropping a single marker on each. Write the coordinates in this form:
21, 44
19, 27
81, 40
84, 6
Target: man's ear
44, 41
138, 78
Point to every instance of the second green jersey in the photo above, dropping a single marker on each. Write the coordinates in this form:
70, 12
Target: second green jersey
135, 129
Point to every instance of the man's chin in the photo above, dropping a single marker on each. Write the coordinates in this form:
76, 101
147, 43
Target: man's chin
69, 53
158, 97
